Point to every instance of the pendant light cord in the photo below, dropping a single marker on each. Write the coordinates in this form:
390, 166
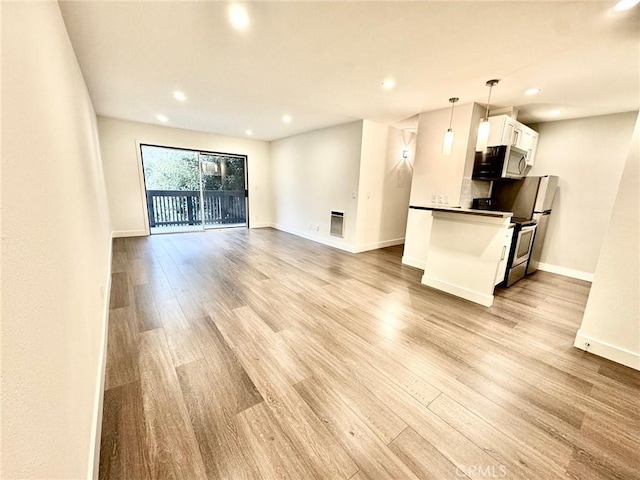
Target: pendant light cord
486, 115
451, 118
453, 101
490, 83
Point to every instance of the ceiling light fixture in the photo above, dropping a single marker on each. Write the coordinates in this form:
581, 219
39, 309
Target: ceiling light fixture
447, 143
249, 132
286, 118
162, 118
388, 84
532, 91
238, 16
179, 96
623, 5
555, 112
484, 127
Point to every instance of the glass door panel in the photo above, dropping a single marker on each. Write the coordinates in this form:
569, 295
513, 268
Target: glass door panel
223, 190
172, 181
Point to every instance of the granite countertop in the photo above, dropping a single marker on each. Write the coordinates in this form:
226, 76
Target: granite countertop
465, 211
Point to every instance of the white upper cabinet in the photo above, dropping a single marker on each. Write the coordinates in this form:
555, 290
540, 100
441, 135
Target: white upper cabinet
530, 144
501, 131
507, 131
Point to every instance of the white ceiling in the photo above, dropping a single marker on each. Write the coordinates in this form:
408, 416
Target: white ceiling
323, 62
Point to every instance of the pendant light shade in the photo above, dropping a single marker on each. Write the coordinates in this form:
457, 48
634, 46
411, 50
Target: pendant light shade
447, 142
483, 135
484, 127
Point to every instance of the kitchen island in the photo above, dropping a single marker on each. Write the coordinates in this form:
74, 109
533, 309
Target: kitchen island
466, 252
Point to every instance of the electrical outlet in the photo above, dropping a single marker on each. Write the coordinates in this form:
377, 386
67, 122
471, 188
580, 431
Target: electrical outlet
434, 198
440, 199
317, 228
354, 194
446, 199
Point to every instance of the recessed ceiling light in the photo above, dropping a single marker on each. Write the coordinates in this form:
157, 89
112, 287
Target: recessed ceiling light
249, 132
623, 5
555, 112
238, 16
179, 96
388, 84
287, 119
162, 118
532, 91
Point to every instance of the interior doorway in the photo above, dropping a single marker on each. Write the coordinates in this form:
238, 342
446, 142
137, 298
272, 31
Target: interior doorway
189, 190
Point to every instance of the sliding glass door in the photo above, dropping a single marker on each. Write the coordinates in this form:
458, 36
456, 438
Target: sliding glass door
188, 190
223, 190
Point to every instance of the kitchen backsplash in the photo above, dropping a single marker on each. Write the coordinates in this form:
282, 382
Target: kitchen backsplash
473, 189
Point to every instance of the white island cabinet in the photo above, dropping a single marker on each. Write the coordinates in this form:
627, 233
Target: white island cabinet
465, 251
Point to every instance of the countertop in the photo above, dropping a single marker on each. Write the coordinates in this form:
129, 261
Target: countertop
465, 211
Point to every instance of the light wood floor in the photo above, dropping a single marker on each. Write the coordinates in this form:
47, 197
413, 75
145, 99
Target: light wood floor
254, 354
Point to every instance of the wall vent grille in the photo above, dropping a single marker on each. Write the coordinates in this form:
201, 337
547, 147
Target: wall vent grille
337, 224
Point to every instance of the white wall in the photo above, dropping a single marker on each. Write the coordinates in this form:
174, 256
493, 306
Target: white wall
588, 154
384, 187
119, 140
611, 322
312, 174
55, 251
435, 174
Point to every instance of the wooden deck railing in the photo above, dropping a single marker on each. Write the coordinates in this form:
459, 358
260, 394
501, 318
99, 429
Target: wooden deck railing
175, 207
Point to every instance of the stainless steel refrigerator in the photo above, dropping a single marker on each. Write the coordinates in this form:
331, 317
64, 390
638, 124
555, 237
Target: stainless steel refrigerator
529, 198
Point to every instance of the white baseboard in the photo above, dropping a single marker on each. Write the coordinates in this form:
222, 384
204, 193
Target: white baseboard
96, 430
260, 225
414, 262
128, 233
471, 295
608, 351
377, 245
337, 244
314, 238
567, 272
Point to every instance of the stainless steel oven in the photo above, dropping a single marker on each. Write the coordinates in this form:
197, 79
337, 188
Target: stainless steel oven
520, 251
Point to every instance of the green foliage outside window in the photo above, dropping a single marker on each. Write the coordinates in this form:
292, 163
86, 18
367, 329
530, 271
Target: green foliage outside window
173, 169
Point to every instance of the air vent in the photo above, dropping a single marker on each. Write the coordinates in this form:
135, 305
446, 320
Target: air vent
337, 224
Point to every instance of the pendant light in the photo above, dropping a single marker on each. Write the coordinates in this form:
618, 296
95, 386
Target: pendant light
447, 143
484, 127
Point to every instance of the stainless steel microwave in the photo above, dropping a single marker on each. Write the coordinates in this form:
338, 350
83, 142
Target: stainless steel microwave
503, 161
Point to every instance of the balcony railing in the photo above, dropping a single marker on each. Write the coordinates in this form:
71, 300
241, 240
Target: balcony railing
182, 207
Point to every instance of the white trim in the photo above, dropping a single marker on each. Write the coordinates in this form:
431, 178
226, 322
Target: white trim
471, 295
414, 262
606, 350
143, 191
96, 429
261, 225
567, 272
381, 244
470, 218
128, 233
336, 244
314, 238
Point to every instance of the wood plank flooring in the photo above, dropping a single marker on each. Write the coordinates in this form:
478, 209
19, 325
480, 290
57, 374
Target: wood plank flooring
255, 354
